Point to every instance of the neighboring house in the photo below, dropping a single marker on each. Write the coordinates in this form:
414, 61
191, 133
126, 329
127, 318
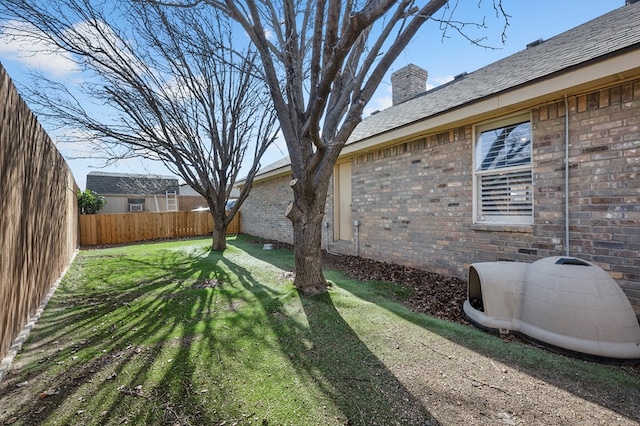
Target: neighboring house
503, 163
190, 199
128, 193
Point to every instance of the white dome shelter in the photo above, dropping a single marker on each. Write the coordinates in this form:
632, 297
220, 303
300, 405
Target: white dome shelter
562, 301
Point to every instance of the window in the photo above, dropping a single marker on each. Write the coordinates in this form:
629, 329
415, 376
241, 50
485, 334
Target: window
503, 172
136, 204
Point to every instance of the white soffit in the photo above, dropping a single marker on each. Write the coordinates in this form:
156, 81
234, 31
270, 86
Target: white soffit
592, 77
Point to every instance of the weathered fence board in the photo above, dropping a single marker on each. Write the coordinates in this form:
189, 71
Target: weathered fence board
38, 213
118, 228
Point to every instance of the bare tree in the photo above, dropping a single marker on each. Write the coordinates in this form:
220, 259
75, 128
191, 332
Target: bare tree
166, 83
323, 61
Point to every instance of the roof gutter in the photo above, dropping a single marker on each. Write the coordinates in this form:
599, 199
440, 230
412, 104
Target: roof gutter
280, 171
601, 73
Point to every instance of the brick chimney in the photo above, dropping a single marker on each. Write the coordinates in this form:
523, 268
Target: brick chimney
408, 82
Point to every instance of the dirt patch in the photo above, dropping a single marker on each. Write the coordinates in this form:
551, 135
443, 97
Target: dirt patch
472, 389
205, 283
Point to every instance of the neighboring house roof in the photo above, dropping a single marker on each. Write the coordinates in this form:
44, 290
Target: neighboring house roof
105, 183
272, 169
185, 189
275, 167
598, 39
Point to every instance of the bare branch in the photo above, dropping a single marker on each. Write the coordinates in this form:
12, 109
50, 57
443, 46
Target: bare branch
323, 61
170, 84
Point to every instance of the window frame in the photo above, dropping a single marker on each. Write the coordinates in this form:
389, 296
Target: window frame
136, 204
505, 220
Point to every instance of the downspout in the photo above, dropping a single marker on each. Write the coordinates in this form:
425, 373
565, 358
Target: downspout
566, 175
356, 223
326, 237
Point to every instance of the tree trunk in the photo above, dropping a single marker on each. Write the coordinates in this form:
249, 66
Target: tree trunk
219, 235
307, 249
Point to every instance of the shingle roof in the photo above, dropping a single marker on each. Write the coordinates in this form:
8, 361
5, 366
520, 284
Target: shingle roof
596, 39
614, 31
105, 183
276, 165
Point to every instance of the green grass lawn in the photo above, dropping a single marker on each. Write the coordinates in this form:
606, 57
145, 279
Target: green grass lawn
172, 333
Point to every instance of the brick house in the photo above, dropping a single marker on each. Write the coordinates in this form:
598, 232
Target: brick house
474, 170
128, 193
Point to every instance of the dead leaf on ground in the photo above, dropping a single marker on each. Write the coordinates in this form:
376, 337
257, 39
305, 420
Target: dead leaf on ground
49, 392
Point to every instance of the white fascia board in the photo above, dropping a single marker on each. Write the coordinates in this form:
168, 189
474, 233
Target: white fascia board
554, 88
281, 171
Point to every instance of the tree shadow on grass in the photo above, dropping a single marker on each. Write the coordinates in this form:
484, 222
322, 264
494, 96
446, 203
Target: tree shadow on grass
160, 382
84, 352
616, 388
329, 354
612, 386
85, 340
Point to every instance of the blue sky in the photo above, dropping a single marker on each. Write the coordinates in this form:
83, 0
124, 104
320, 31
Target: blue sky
442, 57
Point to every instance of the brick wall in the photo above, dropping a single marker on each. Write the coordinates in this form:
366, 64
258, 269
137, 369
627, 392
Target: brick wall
408, 82
263, 212
605, 182
414, 200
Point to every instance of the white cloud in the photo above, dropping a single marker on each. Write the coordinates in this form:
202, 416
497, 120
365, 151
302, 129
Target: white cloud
269, 34
381, 100
438, 81
384, 99
73, 143
106, 44
33, 53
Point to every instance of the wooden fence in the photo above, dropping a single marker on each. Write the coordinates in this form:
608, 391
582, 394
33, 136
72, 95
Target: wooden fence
38, 214
99, 229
